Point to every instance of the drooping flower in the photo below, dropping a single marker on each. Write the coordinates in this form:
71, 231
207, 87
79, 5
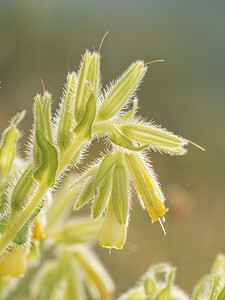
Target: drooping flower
112, 234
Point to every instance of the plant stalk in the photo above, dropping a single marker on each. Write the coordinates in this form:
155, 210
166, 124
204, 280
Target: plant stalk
14, 227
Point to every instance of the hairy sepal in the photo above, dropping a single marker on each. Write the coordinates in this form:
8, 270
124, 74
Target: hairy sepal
89, 76
67, 121
105, 168
42, 122
86, 193
102, 195
120, 192
88, 187
156, 138
84, 127
121, 92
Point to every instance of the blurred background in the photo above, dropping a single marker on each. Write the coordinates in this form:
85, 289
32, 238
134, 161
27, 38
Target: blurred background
185, 94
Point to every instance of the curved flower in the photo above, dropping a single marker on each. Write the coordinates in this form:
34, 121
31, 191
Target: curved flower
147, 186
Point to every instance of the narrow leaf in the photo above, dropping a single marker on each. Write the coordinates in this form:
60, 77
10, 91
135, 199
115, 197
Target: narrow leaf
46, 173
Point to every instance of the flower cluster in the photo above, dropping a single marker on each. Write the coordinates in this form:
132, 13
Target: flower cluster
107, 183
86, 112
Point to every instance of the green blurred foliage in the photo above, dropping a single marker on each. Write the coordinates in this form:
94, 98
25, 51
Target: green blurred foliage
185, 94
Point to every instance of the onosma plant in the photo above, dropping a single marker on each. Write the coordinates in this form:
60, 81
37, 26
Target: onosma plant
39, 238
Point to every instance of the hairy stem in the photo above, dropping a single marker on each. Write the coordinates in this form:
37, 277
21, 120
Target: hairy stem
16, 225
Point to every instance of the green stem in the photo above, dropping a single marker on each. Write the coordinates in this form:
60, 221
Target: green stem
17, 224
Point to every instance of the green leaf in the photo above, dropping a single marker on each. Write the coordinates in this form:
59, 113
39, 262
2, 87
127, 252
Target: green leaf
84, 127
8, 147
120, 192
22, 190
118, 138
67, 120
89, 76
46, 172
121, 91
157, 138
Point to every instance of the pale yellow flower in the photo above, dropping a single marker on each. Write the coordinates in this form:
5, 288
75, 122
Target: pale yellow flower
112, 234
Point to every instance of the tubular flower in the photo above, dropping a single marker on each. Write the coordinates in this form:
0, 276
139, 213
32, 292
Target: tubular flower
146, 187
112, 234
13, 263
